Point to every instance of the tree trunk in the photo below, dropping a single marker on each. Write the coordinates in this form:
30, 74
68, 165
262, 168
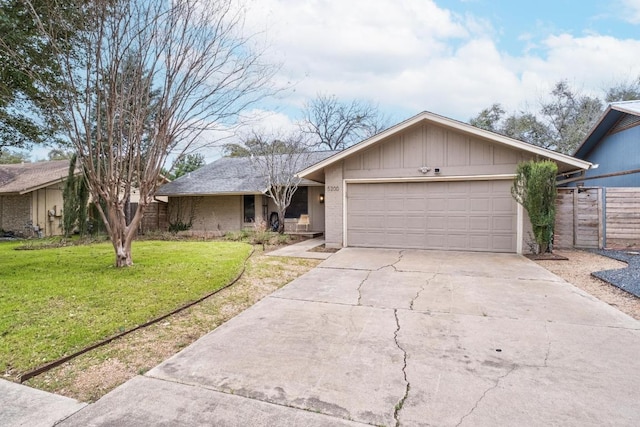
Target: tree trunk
123, 254
281, 220
121, 234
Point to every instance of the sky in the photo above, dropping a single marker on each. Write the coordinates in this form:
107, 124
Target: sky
450, 57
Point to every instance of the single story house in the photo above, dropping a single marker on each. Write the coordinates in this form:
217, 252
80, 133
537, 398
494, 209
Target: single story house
429, 182
229, 195
31, 198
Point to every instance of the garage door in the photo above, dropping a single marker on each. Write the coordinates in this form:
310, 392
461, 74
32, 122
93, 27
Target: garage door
466, 215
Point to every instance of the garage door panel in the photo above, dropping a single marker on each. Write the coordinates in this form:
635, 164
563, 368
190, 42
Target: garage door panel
457, 242
480, 223
502, 243
436, 205
478, 243
457, 224
502, 205
465, 215
457, 205
415, 223
503, 224
480, 205
435, 224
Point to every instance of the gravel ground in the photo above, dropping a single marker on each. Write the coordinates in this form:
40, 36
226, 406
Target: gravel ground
627, 279
577, 271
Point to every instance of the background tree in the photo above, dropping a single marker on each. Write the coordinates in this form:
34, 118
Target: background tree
624, 91
25, 116
561, 122
255, 147
13, 156
183, 67
277, 160
534, 187
60, 154
336, 125
187, 163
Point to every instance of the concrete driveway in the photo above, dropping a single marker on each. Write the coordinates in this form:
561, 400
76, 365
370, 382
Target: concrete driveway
388, 337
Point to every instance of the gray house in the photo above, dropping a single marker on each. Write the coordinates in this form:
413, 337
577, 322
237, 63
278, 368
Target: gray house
429, 182
229, 195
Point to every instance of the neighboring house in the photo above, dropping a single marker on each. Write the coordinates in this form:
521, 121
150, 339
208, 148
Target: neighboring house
429, 182
229, 195
614, 144
31, 197
603, 211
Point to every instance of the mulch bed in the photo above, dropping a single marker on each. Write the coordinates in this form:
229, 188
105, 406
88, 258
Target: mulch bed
627, 279
323, 248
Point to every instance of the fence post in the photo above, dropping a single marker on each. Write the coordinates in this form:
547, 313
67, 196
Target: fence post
602, 196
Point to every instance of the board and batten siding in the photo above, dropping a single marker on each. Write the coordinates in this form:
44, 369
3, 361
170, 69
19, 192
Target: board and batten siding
401, 156
454, 153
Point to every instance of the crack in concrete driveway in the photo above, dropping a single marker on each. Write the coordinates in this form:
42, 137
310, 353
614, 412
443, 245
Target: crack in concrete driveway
318, 352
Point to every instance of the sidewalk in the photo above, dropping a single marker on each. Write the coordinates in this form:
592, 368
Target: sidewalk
302, 250
25, 406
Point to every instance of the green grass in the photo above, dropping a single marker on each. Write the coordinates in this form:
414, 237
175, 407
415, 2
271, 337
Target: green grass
54, 302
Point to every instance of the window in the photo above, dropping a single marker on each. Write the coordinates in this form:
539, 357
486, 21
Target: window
249, 204
299, 205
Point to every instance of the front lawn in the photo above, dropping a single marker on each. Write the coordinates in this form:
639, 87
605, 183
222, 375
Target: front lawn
54, 302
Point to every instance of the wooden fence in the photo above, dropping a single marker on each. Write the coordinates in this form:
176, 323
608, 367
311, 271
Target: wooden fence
155, 217
594, 217
622, 216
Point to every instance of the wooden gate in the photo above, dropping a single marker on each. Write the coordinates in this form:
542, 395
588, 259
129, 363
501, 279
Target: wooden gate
579, 214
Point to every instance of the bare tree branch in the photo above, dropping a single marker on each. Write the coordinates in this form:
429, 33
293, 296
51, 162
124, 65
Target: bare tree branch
336, 125
146, 78
277, 161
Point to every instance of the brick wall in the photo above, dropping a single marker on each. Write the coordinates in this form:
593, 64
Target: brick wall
15, 212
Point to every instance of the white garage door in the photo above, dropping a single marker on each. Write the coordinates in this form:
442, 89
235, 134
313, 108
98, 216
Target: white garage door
466, 215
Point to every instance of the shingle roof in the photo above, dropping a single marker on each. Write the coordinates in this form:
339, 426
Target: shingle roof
228, 175
25, 177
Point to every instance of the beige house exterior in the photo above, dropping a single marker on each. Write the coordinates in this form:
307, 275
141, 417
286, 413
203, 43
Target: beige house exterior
227, 195
429, 182
31, 198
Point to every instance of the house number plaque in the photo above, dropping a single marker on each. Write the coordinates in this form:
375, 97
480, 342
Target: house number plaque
333, 188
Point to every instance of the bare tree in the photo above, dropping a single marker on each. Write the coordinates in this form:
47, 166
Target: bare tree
336, 125
146, 78
277, 162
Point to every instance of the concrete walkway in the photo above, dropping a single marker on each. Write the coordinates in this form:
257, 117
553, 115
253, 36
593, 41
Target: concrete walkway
25, 406
388, 337
302, 250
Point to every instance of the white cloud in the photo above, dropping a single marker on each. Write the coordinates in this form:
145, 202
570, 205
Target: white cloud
410, 56
631, 11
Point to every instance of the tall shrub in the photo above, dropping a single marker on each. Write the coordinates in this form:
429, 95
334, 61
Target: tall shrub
75, 196
534, 187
